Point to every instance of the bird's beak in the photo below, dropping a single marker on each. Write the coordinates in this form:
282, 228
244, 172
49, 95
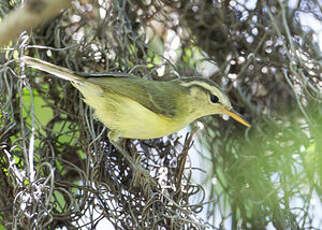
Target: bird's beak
235, 116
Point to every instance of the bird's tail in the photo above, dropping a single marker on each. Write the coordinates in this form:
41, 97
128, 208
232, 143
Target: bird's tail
58, 71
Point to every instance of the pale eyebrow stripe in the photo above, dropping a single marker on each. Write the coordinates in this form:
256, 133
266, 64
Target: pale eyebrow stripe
203, 85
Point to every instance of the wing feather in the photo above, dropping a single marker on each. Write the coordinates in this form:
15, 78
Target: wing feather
159, 97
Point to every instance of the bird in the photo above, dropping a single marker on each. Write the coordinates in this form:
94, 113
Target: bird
136, 108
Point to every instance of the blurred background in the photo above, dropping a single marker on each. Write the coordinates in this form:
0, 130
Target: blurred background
59, 171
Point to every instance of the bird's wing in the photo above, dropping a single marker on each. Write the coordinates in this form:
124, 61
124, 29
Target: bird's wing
155, 95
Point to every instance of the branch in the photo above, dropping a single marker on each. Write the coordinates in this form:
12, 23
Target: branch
31, 15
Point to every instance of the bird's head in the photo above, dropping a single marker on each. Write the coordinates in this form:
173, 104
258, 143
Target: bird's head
207, 98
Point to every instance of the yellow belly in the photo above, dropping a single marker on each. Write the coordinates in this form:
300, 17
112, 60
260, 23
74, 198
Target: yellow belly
128, 119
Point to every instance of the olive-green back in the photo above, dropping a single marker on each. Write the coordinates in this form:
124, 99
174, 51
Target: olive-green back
159, 96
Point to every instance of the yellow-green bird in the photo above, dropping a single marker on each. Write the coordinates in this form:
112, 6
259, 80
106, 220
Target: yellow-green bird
143, 109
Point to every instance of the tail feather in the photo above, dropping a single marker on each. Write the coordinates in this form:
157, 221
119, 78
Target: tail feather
58, 71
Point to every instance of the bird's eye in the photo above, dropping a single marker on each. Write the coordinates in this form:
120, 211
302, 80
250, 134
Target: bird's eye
214, 98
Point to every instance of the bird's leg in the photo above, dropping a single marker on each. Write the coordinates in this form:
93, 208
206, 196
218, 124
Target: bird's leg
141, 176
